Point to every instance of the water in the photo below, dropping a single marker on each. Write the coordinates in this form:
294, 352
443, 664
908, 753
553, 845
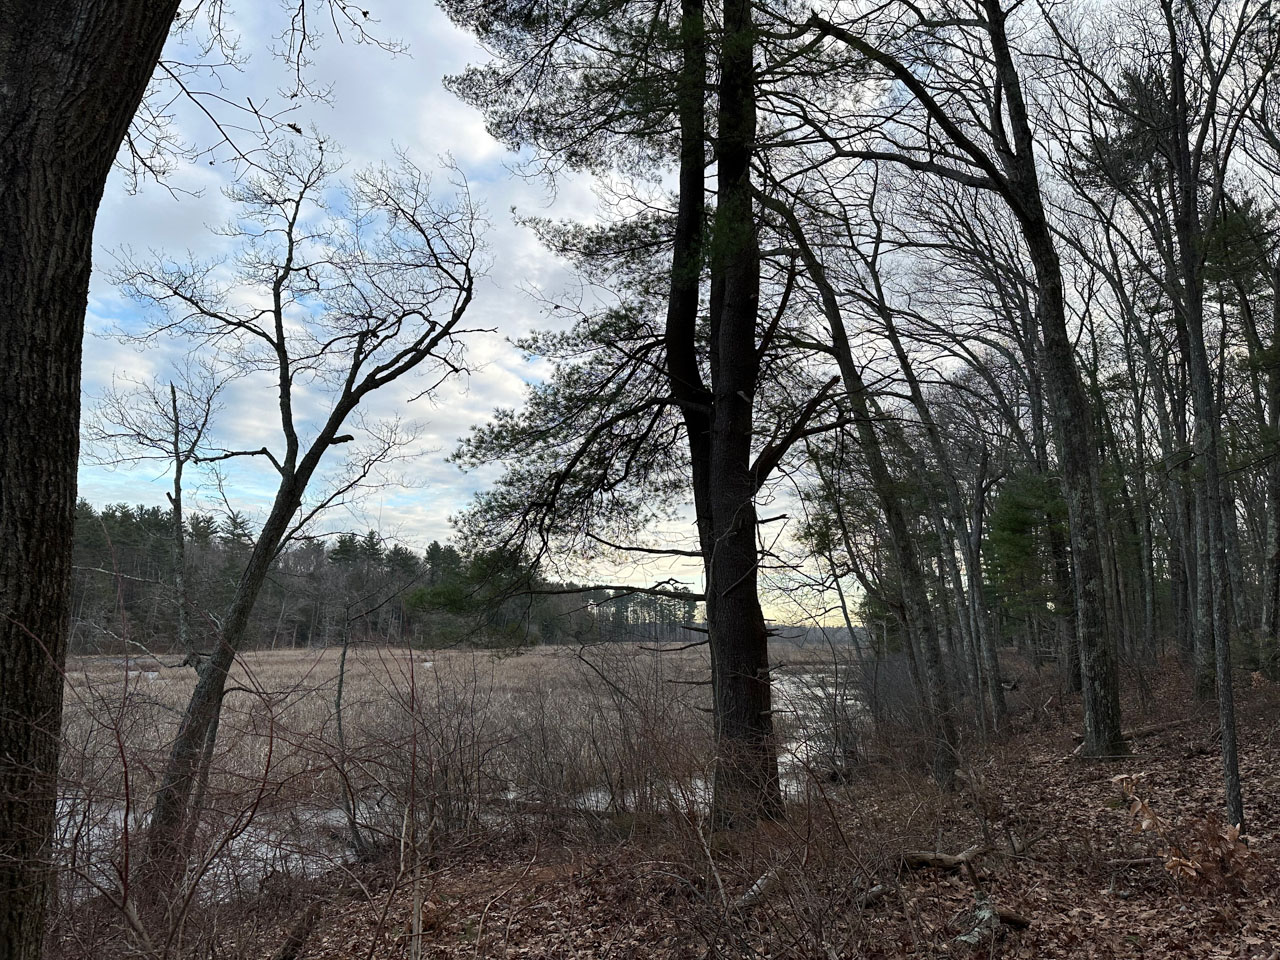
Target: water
243, 852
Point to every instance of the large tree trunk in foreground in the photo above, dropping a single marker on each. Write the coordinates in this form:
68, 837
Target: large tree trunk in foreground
746, 784
746, 781
71, 77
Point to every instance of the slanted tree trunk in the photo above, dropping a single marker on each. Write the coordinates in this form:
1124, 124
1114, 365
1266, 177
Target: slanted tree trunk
173, 808
918, 618
1009, 168
72, 73
1073, 420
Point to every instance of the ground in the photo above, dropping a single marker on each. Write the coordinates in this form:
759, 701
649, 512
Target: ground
1086, 883
519, 857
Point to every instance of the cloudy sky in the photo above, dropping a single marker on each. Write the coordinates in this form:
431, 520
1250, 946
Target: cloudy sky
379, 103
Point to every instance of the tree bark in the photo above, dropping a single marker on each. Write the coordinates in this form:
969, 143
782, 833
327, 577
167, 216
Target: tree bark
173, 808
746, 779
1072, 417
72, 73
1189, 312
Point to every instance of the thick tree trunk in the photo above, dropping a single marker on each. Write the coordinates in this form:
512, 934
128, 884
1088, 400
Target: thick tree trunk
718, 425
746, 780
680, 336
71, 77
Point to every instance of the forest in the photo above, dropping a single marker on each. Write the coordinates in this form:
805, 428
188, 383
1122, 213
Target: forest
123, 600
862, 489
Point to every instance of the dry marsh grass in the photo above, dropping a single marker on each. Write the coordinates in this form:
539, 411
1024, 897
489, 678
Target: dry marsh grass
456, 731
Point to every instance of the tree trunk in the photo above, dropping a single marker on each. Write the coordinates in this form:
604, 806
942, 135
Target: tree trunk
746, 780
179, 546
1073, 420
1189, 313
71, 77
173, 810
922, 631
968, 529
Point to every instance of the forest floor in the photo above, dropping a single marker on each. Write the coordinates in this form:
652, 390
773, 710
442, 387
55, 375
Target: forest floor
1057, 850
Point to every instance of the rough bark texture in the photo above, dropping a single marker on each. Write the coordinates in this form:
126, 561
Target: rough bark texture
683, 372
1189, 313
72, 73
746, 780
746, 784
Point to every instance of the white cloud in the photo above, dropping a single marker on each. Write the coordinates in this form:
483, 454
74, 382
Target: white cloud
379, 104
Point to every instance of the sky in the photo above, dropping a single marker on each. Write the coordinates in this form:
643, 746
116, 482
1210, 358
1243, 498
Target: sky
379, 103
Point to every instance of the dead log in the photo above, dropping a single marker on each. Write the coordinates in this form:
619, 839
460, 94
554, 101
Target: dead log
933, 860
769, 881
1135, 733
1022, 845
549, 810
872, 895
988, 918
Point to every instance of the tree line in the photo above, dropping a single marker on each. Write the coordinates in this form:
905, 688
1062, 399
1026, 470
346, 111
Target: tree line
323, 592
991, 289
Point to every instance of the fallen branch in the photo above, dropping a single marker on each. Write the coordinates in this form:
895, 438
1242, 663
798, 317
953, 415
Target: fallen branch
1138, 732
930, 859
550, 810
873, 895
1134, 861
987, 920
1021, 845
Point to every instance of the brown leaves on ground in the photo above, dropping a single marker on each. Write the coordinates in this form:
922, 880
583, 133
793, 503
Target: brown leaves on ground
1064, 856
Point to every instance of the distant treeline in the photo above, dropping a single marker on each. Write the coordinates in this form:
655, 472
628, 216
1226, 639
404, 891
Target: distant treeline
126, 596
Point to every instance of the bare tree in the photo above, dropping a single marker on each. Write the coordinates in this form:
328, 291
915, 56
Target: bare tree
138, 421
334, 295
972, 125
73, 74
